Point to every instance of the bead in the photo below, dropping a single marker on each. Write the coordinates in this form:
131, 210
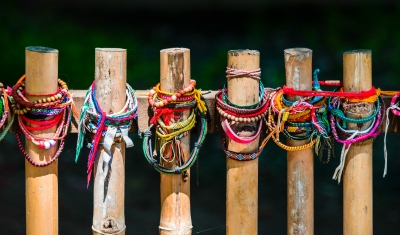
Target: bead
41, 144
169, 99
46, 144
165, 102
173, 97
178, 95
48, 99
186, 90
182, 92
236, 119
24, 110
44, 100
252, 119
152, 91
39, 101
225, 115
161, 104
59, 95
257, 118
52, 142
240, 119
229, 116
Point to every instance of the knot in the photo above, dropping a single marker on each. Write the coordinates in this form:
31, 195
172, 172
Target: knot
177, 170
197, 145
147, 133
153, 161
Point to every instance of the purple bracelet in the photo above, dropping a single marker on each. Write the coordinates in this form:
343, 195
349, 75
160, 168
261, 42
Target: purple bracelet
373, 133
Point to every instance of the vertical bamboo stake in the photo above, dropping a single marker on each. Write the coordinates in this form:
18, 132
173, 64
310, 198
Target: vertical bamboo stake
300, 164
109, 186
357, 179
175, 189
242, 176
41, 66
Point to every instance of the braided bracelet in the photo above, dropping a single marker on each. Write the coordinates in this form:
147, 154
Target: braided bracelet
335, 111
244, 156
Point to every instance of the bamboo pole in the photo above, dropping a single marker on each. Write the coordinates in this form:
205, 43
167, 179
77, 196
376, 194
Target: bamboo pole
242, 176
109, 185
41, 66
300, 164
175, 189
357, 179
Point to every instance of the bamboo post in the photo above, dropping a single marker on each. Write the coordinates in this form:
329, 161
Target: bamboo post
300, 164
242, 176
41, 66
357, 179
175, 189
109, 185
41, 183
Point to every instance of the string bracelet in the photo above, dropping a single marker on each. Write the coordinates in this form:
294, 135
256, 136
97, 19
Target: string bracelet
232, 114
4, 112
106, 129
165, 105
29, 122
236, 73
394, 108
305, 118
252, 106
354, 136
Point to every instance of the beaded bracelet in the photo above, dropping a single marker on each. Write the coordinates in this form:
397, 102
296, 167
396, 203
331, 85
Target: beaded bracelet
30, 160
51, 101
242, 111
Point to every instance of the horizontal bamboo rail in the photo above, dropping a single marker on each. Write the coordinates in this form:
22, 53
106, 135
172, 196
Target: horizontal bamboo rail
215, 126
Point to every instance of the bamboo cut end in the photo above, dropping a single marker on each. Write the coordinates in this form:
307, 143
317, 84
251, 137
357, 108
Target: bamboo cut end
41, 49
243, 51
299, 54
175, 50
111, 49
358, 51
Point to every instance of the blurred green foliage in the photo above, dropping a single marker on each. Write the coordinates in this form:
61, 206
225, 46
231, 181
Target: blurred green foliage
328, 31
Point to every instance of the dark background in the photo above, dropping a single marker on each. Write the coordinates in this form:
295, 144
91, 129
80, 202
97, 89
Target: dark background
209, 29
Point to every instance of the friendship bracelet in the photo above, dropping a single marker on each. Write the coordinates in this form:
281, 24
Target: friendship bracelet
233, 136
148, 152
95, 120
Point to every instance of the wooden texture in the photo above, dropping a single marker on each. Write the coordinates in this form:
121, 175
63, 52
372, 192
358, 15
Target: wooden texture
300, 164
41, 182
242, 176
109, 181
175, 216
357, 178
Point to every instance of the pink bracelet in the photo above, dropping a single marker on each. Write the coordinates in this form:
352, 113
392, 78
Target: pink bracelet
372, 133
231, 135
394, 111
